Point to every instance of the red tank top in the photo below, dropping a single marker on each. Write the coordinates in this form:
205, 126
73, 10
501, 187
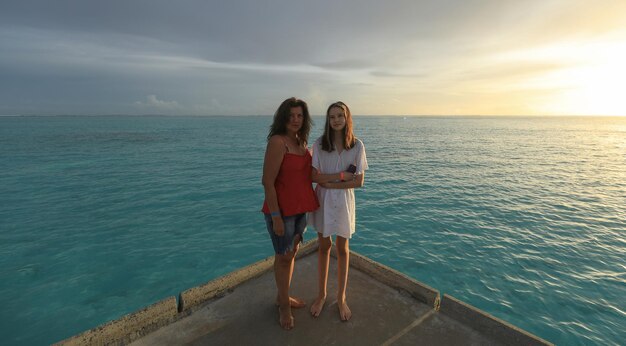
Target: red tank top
294, 187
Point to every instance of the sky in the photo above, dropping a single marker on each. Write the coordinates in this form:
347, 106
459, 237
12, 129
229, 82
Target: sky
396, 57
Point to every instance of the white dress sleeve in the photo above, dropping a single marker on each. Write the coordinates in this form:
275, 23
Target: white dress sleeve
315, 148
361, 159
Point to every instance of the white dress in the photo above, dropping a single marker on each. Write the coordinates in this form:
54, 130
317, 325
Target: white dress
336, 214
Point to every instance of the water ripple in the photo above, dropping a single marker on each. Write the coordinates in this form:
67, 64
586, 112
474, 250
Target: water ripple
521, 217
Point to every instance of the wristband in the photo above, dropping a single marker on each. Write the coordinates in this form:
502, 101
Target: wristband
341, 176
275, 213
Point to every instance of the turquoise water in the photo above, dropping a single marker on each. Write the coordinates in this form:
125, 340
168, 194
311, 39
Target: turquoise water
524, 218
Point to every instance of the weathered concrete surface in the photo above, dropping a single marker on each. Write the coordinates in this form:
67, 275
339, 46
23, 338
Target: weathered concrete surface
382, 314
485, 323
142, 322
388, 308
395, 279
191, 298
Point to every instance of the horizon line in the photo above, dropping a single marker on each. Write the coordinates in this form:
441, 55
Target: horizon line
313, 115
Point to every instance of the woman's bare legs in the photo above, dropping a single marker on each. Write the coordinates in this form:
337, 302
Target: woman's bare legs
283, 270
294, 302
343, 263
323, 258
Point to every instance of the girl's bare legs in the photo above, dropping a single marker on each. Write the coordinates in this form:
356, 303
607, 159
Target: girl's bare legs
323, 258
343, 263
283, 270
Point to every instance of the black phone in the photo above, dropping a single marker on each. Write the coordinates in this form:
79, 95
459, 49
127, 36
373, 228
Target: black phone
351, 169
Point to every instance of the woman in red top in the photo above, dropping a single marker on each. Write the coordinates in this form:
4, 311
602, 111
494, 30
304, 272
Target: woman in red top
289, 195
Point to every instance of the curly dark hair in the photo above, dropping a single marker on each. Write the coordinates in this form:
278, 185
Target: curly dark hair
281, 119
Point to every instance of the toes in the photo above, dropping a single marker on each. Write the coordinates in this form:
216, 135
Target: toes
286, 319
315, 312
345, 313
287, 324
317, 307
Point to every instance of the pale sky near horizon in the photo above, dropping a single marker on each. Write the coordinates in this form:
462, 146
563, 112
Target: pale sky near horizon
405, 57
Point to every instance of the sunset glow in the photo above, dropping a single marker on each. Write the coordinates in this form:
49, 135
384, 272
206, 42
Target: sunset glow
555, 57
590, 81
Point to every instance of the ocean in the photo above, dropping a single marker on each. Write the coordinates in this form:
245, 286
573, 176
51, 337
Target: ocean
522, 217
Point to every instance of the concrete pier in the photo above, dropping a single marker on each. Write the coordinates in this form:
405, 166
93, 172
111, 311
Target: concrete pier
388, 308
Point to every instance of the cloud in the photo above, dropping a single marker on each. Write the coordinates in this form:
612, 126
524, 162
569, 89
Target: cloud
152, 103
379, 73
243, 57
348, 64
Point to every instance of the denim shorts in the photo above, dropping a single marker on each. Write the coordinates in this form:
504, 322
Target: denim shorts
295, 224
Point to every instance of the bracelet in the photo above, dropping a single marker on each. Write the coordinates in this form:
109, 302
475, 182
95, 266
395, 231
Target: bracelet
341, 176
275, 213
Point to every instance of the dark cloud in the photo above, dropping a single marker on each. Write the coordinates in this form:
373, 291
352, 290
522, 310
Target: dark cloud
246, 31
105, 57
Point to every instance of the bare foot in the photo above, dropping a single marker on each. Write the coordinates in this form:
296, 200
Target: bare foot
286, 319
294, 302
317, 306
344, 311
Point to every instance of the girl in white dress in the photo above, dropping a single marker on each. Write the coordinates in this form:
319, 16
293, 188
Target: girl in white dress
339, 165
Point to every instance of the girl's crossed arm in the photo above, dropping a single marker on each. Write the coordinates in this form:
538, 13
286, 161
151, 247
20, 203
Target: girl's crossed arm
333, 181
320, 178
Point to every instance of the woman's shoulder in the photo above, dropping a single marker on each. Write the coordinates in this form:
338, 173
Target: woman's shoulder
276, 139
275, 142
